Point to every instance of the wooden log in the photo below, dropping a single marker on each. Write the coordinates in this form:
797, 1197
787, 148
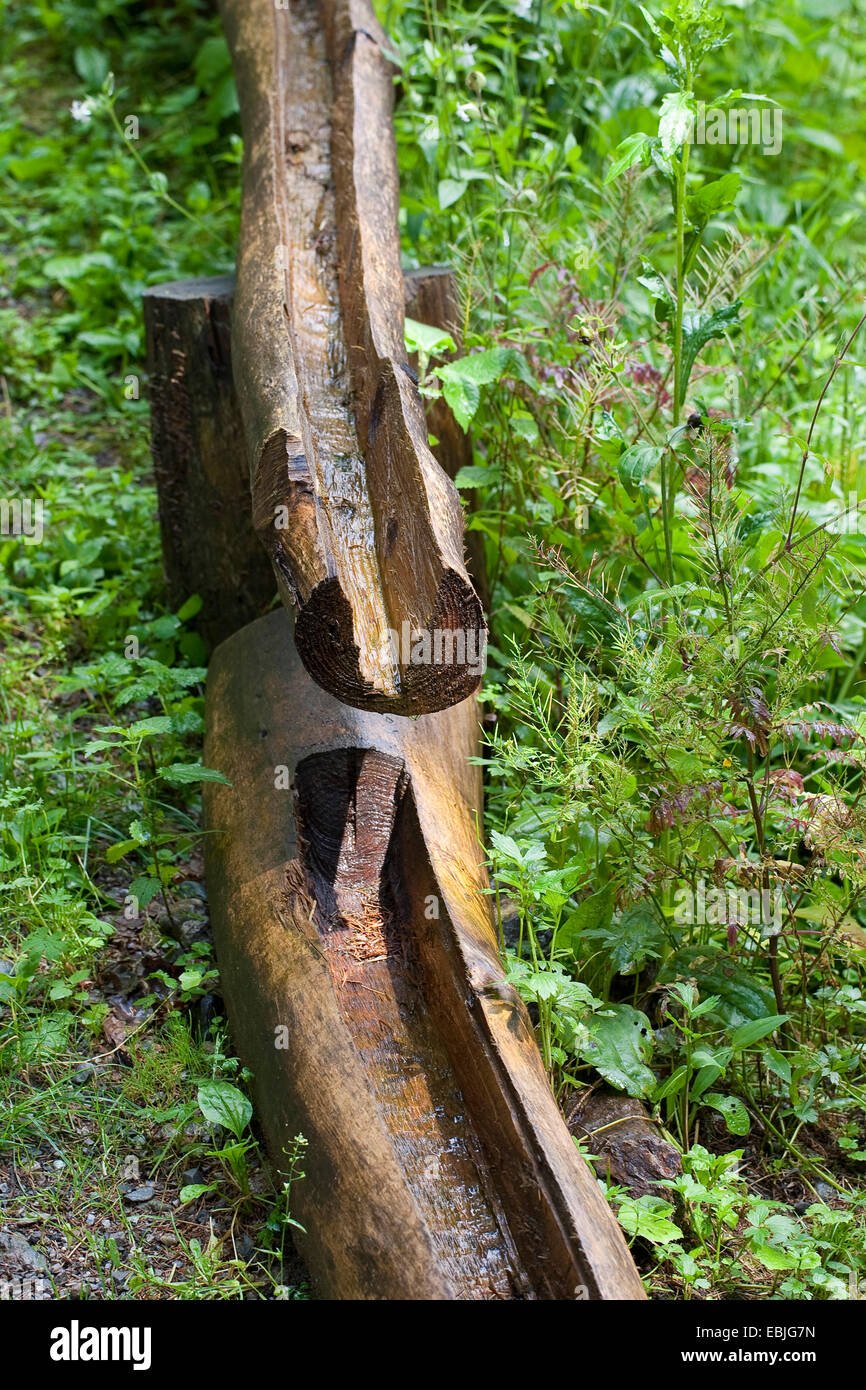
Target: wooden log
353, 927
208, 544
363, 526
629, 1147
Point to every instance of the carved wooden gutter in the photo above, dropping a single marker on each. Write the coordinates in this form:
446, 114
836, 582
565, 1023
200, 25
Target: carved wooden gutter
355, 927
363, 527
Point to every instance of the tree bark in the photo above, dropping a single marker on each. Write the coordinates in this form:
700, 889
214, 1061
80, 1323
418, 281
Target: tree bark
354, 926
363, 526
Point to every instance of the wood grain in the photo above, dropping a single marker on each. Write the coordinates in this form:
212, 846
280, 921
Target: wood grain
209, 545
352, 912
363, 526
202, 482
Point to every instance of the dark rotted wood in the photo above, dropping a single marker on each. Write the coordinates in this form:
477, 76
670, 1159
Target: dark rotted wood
363, 526
209, 544
630, 1149
353, 917
199, 459
431, 298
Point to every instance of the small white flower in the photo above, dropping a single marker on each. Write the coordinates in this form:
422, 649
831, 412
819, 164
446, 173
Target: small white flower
82, 110
467, 111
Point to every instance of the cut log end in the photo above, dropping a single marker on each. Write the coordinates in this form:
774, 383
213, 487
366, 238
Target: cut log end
434, 666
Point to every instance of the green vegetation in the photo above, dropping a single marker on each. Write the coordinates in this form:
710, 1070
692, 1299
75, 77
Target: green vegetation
126, 1148
662, 374
662, 379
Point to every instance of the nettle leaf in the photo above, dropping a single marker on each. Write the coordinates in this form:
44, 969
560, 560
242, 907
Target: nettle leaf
649, 1217
96, 745
476, 475
144, 889
676, 121
507, 846
635, 938
424, 338
178, 774
464, 398
223, 1104
462, 380
636, 463
620, 1044
773, 1257
634, 149
731, 1109
155, 724
699, 326
705, 202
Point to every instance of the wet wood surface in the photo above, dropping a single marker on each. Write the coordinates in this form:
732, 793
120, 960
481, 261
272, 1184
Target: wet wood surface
363, 525
346, 888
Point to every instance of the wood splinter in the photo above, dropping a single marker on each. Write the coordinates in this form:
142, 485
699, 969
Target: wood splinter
364, 528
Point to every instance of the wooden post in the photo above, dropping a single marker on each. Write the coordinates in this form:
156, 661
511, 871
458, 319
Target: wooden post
199, 457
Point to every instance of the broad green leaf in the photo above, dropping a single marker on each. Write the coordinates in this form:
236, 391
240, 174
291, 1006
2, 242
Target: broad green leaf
476, 475
649, 1217
464, 398
742, 997
92, 66
194, 1190
450, 190
636, 463
635, 937
676, 121
424, 338
619, 1046
121, 849
145, 888
699, 326
189, 609
630, 151
749, 1033
223, 1104
712, 198
732, 1110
